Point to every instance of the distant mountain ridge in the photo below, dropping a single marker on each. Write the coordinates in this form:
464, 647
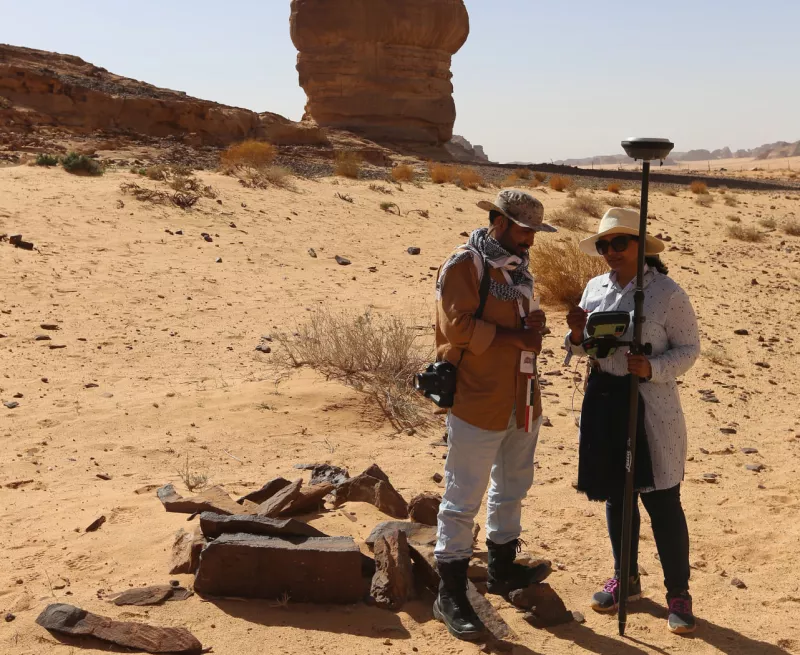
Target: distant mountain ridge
777, 150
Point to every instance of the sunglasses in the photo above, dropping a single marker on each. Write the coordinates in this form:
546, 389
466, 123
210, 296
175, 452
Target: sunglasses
618, 244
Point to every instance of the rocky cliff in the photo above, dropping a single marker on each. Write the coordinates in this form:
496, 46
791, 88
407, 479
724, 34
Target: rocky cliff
380, 68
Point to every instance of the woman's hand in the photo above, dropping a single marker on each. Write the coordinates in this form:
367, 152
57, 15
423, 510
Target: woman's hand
639, 366
576, 320
536, 320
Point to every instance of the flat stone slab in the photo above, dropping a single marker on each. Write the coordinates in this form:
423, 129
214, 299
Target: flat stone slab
186, 551
310, 499
142, 596
274, 505
417, 533
267, 491
393, 582
215, 525
71, 620
310, 570
372, 486
213, 499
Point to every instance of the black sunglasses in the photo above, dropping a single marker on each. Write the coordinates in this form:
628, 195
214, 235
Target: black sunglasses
618, 244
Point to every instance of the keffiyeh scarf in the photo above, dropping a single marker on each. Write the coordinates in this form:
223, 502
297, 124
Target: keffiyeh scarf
490, 250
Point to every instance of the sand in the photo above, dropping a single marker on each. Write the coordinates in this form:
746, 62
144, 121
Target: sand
168, 336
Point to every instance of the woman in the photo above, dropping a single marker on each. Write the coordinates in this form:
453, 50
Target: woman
671, 328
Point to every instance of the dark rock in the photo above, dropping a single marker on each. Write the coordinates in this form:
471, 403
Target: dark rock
488, 614
264, 348
90, 385
273, 506
180, 593
310, 570
763, 364
11, 404
56, 346
213, 499
214, 525
267, 491
741, 332
312, 253
95, 525
546, 422
377, 491
437, 478
68, 619
416, 533
578, 617
9, 617
342, 261
728, 430
750, 451
103, 476
376, 472
310, 499
710, 477
325, 473
218, 260
738, 584
186, 551
424, 508
393, 582
49, 326
426, 574
142, 596
42, 337
547, 608
756, 468
414, 250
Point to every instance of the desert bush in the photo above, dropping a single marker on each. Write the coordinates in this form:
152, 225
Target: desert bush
345, 197
510, 181
730, 201
191, 477
377, 355
669, 191
523, 173
248, 154
539, 176
182, 199
379, 188
745, 233
560, 182
733, 218
586, 204
635, 202
718, 355
569, 219
158, 173
704, 200
468, 178
722, 190
403, 173
614, 187
390, 207
348, 164
792, 228
81, 165
616, 201
263, 178
441, 173
698, 187
768, 222
562, 271
46, 160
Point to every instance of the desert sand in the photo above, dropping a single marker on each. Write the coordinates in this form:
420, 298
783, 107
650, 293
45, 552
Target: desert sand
167, 335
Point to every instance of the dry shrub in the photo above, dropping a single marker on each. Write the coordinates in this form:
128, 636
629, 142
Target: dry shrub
745, 233
722, 190
192, 478
792, 228
698, 187
523, 173
635, 202
263, 178
730, 201
539, 177
184, 200
468, 178
562, 271
157, 173
348, 164
568, 219
718, 355
441, 173
669, 191
379, 188
377, 355
248, 154
390, 207
586, 204
616, 201
510, 181
403, 173
560, 182
614, 187
733, 218
704, 200
768, 222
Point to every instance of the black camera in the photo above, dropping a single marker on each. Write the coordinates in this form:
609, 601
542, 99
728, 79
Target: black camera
438, 382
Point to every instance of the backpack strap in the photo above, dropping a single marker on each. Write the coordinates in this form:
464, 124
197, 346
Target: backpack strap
484, 289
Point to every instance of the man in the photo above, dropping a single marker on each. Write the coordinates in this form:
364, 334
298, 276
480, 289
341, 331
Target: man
487, 331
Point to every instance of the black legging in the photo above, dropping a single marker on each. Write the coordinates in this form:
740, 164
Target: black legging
669, 530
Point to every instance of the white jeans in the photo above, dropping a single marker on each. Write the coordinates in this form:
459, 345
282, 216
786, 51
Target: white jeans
474, 457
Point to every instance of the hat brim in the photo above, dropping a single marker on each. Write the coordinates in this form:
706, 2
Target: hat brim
539, 227
653, 246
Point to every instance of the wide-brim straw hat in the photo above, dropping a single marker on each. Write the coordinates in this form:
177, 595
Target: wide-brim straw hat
620, 221
520, 207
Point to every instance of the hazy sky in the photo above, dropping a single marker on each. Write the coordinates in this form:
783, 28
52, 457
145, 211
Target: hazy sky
535, 81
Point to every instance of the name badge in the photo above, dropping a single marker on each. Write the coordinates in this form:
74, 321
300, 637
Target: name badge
527, 362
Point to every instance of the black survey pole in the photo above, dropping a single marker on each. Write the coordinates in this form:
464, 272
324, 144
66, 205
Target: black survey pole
646, 150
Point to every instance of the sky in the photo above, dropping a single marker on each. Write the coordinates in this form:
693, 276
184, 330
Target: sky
536, 81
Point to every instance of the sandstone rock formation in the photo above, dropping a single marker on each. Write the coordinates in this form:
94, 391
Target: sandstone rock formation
380, 68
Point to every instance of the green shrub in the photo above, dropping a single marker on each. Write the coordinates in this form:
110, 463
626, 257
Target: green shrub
46, 160
81, 165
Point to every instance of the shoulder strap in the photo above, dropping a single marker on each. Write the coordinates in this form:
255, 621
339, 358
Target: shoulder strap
484, 289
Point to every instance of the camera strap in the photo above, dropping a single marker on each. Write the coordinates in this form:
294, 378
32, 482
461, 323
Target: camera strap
483, 294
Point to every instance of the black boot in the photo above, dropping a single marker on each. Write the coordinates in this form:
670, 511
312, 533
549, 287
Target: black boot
452, 607
505, 575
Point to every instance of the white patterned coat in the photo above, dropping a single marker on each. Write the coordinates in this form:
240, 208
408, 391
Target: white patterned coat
671, 328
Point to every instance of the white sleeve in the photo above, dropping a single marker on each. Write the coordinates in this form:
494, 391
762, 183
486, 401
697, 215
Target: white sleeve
684, 340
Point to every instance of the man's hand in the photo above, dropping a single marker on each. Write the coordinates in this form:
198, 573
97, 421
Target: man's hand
576, 320
639, 366
530, 340
536, 320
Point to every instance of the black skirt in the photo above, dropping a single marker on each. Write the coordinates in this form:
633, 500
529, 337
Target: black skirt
604, 437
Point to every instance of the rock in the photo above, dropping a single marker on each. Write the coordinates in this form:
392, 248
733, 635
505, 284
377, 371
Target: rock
325, 473
186, 551
215, 525
42, 337
213, 499
11, 404
267, 491
578, 617
142, 596
547, 608
218, 260
312, 253
146, 489
310, 499
95, 525
416, 533
763, 364
437, 478
342, 261
488, 614
546, 422
424, 508
310, 570
414, 250
49, 326
68, 619
380, 68
273, 506
426, 574
741, 332
750, 451
393, 582
756, 468
56, 346
710, 477
369, 489
736, 582
264, 348
103, 476
728, 430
